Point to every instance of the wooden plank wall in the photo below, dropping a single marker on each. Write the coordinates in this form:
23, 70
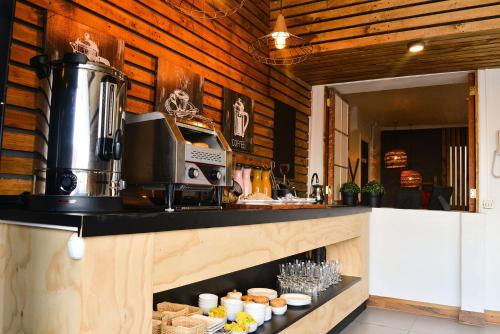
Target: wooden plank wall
215, 49
363, 39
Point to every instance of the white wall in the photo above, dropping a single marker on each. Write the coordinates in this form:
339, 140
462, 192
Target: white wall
428, 256
316, 134
415, 255
489, 186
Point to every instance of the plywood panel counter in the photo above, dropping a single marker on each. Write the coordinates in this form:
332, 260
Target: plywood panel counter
110, 290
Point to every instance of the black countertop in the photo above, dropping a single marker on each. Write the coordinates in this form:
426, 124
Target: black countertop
95, 224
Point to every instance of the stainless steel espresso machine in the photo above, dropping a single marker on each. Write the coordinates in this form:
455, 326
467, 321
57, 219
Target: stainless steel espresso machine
176, 155
84, 103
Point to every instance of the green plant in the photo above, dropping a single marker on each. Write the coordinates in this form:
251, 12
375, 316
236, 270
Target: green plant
350, 187
374, 187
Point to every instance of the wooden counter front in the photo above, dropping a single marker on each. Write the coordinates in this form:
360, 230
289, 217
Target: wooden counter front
111, 289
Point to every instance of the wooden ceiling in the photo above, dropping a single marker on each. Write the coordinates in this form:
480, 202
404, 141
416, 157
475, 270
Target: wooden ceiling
367, 39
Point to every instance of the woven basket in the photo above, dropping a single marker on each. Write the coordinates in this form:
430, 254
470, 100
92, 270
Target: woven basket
170, 311
156, 326
194, 310
185, 325
157, 315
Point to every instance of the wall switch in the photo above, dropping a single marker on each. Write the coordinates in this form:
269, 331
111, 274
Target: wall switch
488, 204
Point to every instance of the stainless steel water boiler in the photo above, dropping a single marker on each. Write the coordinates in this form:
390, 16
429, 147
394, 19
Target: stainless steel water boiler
84, 103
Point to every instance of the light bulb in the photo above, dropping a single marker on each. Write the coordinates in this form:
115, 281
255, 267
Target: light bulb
280, 38
416, 47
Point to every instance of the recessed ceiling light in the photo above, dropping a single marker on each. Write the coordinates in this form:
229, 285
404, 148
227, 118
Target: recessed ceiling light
416, 47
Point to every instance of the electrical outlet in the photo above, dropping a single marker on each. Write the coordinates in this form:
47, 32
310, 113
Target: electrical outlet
473, 193
488, 204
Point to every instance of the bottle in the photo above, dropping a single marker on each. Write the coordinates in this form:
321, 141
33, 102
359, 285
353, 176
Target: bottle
266, 182
247, 181
238, 175
257, 180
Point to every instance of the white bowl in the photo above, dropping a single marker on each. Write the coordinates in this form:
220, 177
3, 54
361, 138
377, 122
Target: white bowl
257, 311
279, 310
269, 293
233, 332
253, 328
207, 306
208, 296
234, 295
269, 313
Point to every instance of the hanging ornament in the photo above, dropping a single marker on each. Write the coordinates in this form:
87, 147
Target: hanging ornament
411, 179
396, 159
280, 47
206, 9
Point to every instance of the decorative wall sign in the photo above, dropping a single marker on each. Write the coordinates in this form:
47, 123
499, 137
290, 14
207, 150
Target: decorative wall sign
180, 91
238, 120
65, 36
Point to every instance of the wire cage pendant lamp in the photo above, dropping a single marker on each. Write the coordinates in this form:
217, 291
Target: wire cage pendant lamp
411, 179
280, 47
206, 9
396, 159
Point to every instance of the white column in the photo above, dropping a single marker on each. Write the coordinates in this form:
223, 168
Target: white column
316, 134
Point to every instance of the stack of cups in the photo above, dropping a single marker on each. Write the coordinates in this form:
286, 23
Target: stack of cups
207, 301
233, 306
257, 311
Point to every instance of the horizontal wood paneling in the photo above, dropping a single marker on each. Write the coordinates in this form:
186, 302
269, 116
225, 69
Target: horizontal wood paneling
217, 50
359, 40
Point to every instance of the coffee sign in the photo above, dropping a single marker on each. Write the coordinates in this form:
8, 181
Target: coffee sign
238, 120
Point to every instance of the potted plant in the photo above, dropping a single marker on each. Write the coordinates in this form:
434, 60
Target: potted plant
372, 194
350, 191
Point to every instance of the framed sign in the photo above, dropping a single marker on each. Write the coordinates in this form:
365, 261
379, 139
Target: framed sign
238, 120
67, 36
180, 91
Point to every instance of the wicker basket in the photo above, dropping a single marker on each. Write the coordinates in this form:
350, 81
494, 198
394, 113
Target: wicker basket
170, 311
157, 315
185, 325
156, 326
194, 310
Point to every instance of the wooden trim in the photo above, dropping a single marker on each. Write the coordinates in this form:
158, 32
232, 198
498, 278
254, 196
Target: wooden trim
472, 140
492, 317
330, 147
472, 318
414, 307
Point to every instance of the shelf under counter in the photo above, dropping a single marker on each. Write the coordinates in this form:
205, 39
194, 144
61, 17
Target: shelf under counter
279, 323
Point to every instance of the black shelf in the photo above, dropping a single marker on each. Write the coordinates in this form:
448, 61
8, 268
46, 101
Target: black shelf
294, 314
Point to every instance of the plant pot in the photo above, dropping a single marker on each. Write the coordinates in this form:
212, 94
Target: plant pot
349, 199
372, 200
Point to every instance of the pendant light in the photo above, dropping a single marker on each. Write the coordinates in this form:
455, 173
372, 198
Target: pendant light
396, 158
280, 47
411, 179
206, 9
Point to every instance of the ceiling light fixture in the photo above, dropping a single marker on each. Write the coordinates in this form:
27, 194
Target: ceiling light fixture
280, 47
416, 47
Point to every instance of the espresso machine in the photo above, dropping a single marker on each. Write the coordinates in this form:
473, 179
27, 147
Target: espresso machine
176, 155
84, 103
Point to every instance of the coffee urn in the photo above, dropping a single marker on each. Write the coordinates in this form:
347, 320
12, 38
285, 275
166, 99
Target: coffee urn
84, 103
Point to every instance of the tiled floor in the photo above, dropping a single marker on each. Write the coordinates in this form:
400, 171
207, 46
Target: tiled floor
376, 321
